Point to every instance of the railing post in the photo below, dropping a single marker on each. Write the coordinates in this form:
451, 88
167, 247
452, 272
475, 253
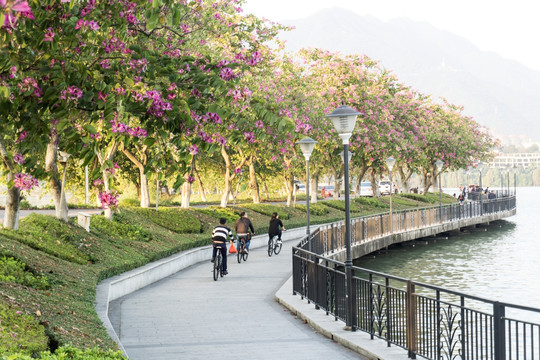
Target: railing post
411, 320
499, 331
354, 310
316, 276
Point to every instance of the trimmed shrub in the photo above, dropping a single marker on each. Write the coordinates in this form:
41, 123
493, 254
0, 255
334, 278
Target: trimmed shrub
71, 353
180, 221
20, 333
340, 205
129, 202
317, 209
369, 201
14, 271
267, 209
218, 212
120, 228
50, 235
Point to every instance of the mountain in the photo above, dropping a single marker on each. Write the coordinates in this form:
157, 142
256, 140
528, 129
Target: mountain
500, 94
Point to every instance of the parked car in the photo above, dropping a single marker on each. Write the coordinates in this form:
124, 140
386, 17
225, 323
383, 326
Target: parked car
365, 189
385, 187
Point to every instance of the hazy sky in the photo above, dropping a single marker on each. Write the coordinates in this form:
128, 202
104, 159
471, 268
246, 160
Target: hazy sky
509, 28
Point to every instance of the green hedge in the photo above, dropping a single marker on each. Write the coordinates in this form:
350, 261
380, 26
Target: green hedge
20, 333
267, 209
71, 353
340, 205
317, 209
47, 234
119, 228
218, 212
14, 271
369, 201
180, 221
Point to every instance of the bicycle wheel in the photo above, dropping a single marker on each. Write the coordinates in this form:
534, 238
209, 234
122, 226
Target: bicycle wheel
217, 266
239, 253
270, 246
277, 247
245, 255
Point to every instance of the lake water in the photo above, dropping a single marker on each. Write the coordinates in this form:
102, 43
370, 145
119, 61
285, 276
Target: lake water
500, 263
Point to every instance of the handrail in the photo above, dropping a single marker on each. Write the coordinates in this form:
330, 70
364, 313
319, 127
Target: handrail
427, 320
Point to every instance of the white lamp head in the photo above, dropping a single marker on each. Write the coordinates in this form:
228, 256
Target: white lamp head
390, 162
307, 145
344, 120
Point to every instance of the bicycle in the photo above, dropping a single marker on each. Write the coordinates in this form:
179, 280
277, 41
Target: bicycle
274, 246
242, 254
218, 263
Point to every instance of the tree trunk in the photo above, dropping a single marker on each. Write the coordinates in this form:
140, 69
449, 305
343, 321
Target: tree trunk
140, 164
199, 182
11, 213
186, 194
253, 184
57, 185
336, 185
227, 178
145, 189
313, 189
289, 185
374, 184
405, 179
427, 181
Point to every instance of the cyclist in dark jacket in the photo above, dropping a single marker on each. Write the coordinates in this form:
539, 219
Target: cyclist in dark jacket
276, 227
244, 229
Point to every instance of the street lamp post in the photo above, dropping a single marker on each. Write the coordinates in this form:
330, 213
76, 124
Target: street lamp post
439, 163
63, 159
390, 163
480, 168
307, 145
515, 178
342, 154
344, 120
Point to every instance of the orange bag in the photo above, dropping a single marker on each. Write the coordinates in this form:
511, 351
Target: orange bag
232, 249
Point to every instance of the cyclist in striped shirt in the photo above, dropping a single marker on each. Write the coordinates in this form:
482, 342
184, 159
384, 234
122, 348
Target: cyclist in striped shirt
220, 235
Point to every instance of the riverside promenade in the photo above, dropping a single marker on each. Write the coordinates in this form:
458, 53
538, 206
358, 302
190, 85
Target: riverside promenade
188, 315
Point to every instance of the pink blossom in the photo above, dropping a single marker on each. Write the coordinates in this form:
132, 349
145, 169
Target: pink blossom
49, 35
108, 199
18, 159
21, 137
193, 149
190, 179
237, 171
25, 181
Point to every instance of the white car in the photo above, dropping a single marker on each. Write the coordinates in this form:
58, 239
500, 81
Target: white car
365, 189
385, 187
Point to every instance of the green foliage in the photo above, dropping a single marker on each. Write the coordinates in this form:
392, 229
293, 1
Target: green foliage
369, 201
318, 209
129, 202
268, 209
340, 205
431, 198
50, 235
119, 228
20, 333
14, 271
180, 221
218, 212
71, 353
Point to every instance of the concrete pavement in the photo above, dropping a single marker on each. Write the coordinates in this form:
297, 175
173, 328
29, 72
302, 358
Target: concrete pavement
188, 315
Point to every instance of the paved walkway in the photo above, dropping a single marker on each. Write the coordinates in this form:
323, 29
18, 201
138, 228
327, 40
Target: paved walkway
190, 316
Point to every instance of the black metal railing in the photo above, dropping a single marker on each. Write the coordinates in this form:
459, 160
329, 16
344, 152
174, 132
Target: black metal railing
426, 320
331, 238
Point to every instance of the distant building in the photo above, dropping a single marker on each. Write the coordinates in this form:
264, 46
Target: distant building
525, 160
